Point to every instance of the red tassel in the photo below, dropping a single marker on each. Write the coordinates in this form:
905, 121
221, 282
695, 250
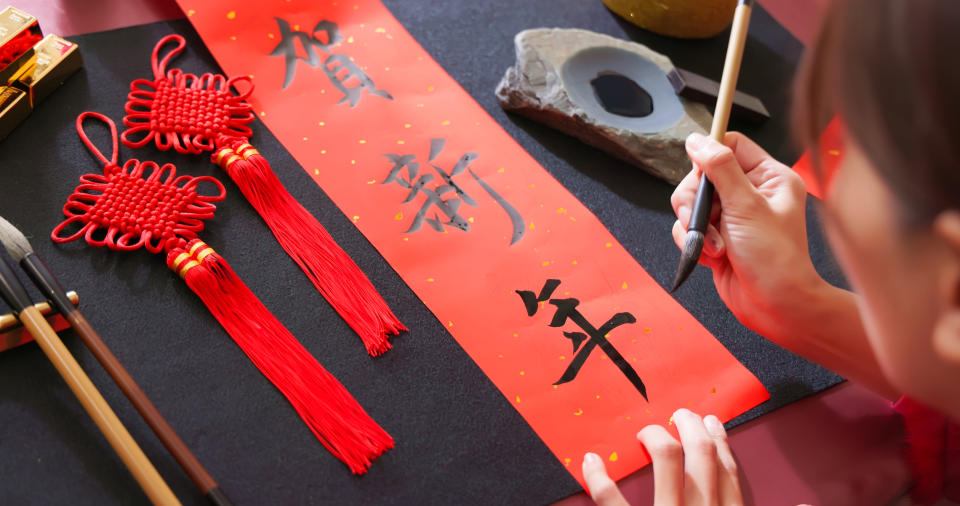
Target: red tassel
329, 268
334, 416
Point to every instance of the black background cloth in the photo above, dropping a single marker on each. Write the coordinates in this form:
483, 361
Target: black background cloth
459, 441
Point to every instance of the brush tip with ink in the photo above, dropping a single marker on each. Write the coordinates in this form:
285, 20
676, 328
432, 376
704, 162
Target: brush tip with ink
688, 260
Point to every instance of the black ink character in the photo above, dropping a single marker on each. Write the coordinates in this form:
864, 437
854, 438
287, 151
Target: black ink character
337, 62
435, 196
309, 41
583, 343
339, 68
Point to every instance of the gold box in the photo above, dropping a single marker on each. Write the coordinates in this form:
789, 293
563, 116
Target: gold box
14, 108
19, 32
53, 61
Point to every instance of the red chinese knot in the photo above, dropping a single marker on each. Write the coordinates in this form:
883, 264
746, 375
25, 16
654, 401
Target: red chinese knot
183, 111
143, 204
140, 204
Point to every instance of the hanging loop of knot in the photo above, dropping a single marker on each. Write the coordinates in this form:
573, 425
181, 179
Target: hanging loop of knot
184, 111
138, 205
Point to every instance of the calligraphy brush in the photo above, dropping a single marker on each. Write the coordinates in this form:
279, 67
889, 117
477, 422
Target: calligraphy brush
22, 252
700, 216
15, 295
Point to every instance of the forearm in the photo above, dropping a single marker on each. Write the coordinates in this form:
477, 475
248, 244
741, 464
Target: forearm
825, 327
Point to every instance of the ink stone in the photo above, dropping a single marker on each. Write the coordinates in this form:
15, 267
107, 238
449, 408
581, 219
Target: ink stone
609, 93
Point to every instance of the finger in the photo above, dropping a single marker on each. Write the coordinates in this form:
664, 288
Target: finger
762, 169
685, 192
715, 210
699, 460
667, 457
682, 208
713, 245
728, 479
773, 175
602, 489
707, 258
748, 154
720, 165
683, 216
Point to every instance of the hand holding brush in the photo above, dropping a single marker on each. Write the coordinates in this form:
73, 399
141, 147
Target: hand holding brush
703, 202
22, 252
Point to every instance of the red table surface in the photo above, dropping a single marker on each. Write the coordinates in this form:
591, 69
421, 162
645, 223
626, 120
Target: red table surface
841, 446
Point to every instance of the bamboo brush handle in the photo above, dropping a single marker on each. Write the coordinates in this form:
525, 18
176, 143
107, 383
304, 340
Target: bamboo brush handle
147, 410
731, 70
98, 409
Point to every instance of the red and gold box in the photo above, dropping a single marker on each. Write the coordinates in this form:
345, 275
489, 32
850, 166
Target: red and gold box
53, 61
14, 108
19, 33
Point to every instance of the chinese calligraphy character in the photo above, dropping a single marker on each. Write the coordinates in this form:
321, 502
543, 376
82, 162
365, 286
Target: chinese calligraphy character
337, 62
339, 68
406, 173
583, 342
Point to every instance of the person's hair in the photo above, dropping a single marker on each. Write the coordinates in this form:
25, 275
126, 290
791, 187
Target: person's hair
891, 70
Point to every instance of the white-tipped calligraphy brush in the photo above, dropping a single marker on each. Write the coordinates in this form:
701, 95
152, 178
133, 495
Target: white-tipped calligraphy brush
22, 252
12, 291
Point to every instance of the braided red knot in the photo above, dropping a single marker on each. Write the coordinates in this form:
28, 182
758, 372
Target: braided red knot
140, 204
146, 205
183, 111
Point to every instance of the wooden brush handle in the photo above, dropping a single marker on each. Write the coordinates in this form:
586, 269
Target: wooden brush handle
147, 410
731, 70
48, 284
703, 201
98, 409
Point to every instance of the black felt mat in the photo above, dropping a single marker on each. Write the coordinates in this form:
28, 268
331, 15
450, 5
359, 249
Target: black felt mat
458, 440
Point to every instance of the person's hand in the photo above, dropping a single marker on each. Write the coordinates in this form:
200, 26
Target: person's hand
756, 243
697, 471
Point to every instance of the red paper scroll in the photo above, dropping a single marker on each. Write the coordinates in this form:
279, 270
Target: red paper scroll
476, 227
831, 154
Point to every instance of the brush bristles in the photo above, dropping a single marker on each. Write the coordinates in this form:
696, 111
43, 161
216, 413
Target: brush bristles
689, 258
14, 241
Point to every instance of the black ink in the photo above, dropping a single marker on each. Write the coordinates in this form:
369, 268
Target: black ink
337, 62
531, 300
457, 169
435, 200
515, 218
339, 68
436, 147
399, 162
583, 342
449, 207
288, 48
620, 95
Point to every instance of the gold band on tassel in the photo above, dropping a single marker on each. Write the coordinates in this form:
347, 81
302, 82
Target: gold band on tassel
222, 153
200, 250
247, 151
229, 159
184, 263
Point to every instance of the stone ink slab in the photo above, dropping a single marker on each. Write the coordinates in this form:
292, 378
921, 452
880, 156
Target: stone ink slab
582, 83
